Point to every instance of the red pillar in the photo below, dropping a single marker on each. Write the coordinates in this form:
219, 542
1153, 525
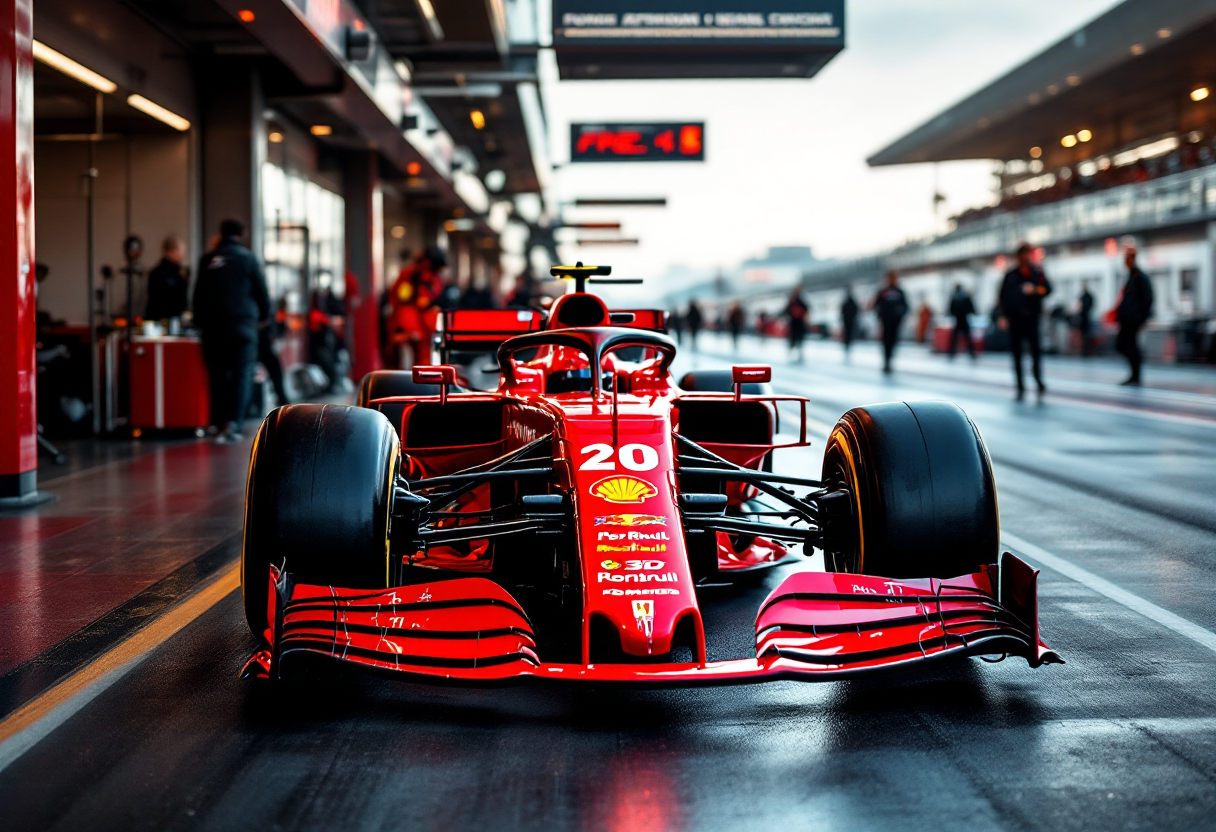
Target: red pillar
18, 422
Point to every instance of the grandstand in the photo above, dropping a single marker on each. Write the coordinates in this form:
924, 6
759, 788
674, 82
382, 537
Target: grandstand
1108, 135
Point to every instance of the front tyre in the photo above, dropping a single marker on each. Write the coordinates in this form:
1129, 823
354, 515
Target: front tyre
318, 500
923, 494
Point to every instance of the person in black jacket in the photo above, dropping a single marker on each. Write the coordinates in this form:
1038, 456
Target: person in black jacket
230, 304
891, 305
1132, 312
1085, 319
1021, 300
694, 319
848, 318
168, 283
961, 309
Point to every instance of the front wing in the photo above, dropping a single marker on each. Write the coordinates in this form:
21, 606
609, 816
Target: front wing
816, 626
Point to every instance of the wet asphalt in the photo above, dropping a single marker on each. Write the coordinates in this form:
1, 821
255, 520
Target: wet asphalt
1123, 736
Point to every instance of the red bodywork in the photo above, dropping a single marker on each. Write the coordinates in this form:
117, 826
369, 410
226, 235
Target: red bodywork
614, 456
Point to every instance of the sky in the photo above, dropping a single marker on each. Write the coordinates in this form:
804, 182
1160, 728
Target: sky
785, 159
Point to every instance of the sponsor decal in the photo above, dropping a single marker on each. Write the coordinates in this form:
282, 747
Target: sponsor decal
635, 565
637, 577
656, 590
623, 489
643, 613
633, 536
631, 547
631, 520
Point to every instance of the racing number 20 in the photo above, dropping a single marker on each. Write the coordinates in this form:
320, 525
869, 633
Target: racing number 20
634, 457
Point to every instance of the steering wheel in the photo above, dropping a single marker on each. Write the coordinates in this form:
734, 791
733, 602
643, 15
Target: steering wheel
592, 341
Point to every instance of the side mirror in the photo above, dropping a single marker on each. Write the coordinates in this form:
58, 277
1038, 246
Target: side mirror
441, 374
749, 374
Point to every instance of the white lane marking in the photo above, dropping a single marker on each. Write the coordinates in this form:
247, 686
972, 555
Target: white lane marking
1060, 396
1181, 626
32, 722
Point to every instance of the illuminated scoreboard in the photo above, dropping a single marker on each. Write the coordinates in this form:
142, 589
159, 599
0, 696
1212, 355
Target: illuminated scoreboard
664, 142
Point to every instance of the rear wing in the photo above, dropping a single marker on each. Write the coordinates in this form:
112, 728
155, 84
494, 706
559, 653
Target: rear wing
482, 330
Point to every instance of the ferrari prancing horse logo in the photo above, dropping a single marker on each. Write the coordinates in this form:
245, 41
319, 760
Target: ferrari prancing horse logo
643, 611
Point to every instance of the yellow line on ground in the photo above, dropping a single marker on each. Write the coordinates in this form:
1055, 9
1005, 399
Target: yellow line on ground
26, 726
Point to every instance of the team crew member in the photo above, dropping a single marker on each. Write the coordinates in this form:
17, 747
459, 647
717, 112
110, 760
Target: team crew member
1021, 301
796, 312
961, 309
1085, 319
168, 283
693, 319
414, 311
735, 321
1132, 313
230, 304
891, 305
848, 319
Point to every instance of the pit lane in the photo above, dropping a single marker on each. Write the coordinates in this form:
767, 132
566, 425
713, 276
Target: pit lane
1121, 736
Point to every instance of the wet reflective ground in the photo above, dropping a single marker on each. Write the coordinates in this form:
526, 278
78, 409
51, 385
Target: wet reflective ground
1121, 737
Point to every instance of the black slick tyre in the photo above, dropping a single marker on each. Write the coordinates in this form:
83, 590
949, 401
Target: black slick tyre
318, 500
924, 499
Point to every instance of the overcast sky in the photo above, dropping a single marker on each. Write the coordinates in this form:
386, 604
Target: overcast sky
785, 159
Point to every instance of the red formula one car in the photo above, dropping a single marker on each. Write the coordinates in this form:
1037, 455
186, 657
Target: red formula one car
562, 526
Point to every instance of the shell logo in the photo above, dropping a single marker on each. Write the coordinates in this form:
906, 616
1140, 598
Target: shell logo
610, 564
623, 489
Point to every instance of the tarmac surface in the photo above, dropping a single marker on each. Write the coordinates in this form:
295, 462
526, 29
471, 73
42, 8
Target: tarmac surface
1110, 490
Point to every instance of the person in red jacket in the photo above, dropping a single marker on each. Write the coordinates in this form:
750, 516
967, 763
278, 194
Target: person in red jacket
413, 316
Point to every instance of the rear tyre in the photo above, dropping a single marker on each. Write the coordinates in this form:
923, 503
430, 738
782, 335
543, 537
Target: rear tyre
381, 384
924, 498
318, 500
720, 381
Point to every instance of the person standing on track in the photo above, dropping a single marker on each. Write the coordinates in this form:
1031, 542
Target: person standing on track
848, 319
891, 305
1132, 312
1021, 301
796, 312
693, 319
1085, 319
961, 310
735, 320
230, 304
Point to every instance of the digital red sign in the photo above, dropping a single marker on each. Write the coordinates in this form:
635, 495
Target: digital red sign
666, 142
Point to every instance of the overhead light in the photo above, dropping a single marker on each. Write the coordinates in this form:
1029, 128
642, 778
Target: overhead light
320, 130
1069, 141
1200, 93
1036, 152
246, 15
495, 180
398, 232
158, 112
1084, 135
478, 118
1164, 33
274, 137
1137, 49
413, 168
67, 66
432, 22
